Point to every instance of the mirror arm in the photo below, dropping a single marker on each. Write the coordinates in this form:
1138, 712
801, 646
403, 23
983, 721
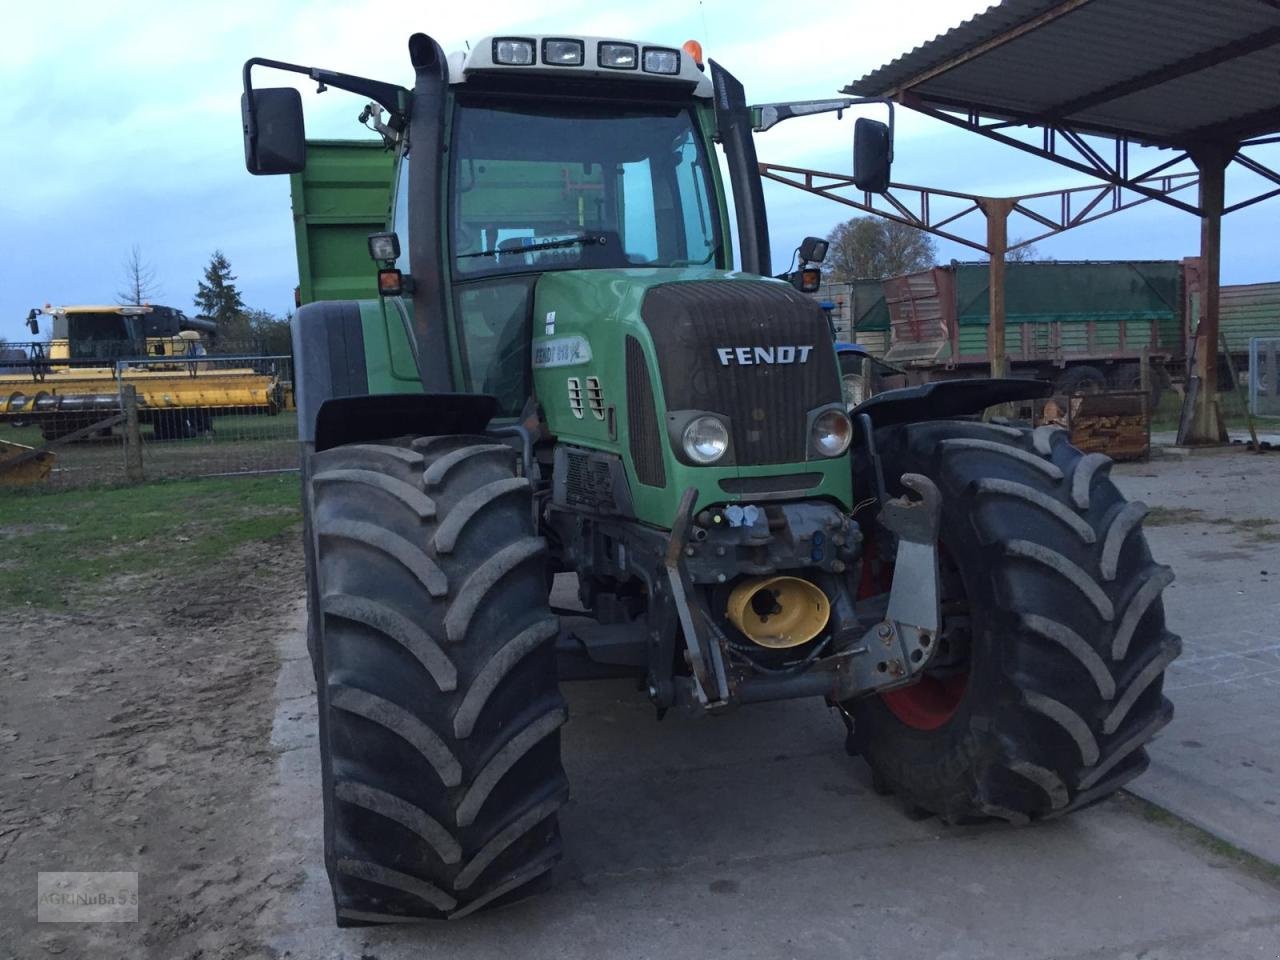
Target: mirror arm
768, 115
395, 99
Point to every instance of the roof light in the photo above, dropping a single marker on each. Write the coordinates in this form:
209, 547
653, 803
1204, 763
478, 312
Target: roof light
513, 51
694, 49
562, 53
619, 56
661, 60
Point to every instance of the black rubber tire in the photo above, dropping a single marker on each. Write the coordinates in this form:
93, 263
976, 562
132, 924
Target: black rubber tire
176, 424
436, 676
1129, 377
1068, 647
1080, 379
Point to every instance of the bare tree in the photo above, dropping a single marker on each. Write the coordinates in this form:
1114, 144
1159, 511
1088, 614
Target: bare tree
869, 248
1025, 254
140, 284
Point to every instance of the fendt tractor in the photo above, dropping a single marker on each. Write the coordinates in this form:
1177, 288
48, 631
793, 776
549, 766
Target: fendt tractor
563, 374
72, 381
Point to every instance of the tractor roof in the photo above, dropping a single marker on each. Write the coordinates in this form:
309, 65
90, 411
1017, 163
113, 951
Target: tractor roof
126, 311
594, 57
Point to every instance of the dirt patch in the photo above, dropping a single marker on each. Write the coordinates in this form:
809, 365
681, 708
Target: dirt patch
137, 738
1169, 516
1252, 529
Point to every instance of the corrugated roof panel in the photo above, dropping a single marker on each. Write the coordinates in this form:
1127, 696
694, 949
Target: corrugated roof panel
1082, 47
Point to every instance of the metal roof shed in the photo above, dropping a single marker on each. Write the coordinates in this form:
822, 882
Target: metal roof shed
1201, 79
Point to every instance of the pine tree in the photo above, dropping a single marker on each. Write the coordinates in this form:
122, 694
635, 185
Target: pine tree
217, 298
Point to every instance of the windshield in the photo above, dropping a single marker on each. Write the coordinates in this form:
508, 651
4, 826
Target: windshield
541, 188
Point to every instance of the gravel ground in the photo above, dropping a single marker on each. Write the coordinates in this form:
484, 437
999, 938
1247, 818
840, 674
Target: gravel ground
169, 729
136, 738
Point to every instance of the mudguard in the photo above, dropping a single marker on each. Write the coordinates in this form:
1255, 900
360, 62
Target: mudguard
942, 399
369, 419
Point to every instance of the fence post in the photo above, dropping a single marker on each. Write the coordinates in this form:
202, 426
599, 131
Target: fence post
132, 434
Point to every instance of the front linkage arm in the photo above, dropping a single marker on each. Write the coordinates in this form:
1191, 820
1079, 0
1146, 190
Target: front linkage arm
906, 634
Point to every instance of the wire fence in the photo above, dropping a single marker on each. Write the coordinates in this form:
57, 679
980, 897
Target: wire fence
152, 419
1264, 377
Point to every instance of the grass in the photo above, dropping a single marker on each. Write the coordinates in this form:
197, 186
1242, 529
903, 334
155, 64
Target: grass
57, 548
1255, 529
1247, 862
1169, 516
1234, 412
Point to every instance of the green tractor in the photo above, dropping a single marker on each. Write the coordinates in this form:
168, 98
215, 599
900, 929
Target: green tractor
562, 374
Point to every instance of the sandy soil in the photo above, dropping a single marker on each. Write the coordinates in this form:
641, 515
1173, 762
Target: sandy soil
136, 737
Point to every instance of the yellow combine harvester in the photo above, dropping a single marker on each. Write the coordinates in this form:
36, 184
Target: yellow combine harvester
74, 380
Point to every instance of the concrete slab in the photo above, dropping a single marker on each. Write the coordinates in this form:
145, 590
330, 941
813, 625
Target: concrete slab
1215, 521
754, 835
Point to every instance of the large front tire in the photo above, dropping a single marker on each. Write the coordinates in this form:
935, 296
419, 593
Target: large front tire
436, 676
1065, 629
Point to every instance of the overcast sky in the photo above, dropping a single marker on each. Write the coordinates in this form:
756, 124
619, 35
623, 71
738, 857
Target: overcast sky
121, 126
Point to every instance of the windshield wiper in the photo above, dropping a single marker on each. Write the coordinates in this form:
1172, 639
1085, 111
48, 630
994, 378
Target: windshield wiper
585, 240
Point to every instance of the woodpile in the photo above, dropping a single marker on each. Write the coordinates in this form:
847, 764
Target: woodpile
1117, 424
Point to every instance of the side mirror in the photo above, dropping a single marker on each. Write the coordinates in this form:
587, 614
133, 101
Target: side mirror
872, 155
274, 138
33, 323
813, 250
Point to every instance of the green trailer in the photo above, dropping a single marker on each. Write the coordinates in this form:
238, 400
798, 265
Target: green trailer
343, 195
1080, 324
859, 313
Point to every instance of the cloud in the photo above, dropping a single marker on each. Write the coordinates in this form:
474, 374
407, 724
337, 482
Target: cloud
122, 127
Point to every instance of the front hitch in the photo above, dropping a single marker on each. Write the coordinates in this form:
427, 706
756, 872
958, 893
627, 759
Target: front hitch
905, 637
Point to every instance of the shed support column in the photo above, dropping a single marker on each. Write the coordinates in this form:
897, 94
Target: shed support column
1212, 162
996, 210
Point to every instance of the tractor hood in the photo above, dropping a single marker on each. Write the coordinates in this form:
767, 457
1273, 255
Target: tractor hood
624, 360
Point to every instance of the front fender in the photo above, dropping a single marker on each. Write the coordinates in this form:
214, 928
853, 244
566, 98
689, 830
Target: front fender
943, 399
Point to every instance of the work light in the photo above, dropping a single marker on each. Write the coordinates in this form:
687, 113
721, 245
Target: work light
661, 60
384, 246
618, 56
513, 51
562, 53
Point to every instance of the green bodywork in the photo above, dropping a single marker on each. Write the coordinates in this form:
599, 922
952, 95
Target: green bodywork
594, 312
348, 191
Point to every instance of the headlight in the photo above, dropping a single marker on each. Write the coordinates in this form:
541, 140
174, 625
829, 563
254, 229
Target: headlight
705, 440
832, 432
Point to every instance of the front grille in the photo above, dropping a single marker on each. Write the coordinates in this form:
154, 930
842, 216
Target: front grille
642, 419
768, 397
785, 483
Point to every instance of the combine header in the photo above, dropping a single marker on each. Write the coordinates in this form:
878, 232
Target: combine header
74, 380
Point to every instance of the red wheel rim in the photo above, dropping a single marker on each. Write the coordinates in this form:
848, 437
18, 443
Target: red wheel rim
931, 701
